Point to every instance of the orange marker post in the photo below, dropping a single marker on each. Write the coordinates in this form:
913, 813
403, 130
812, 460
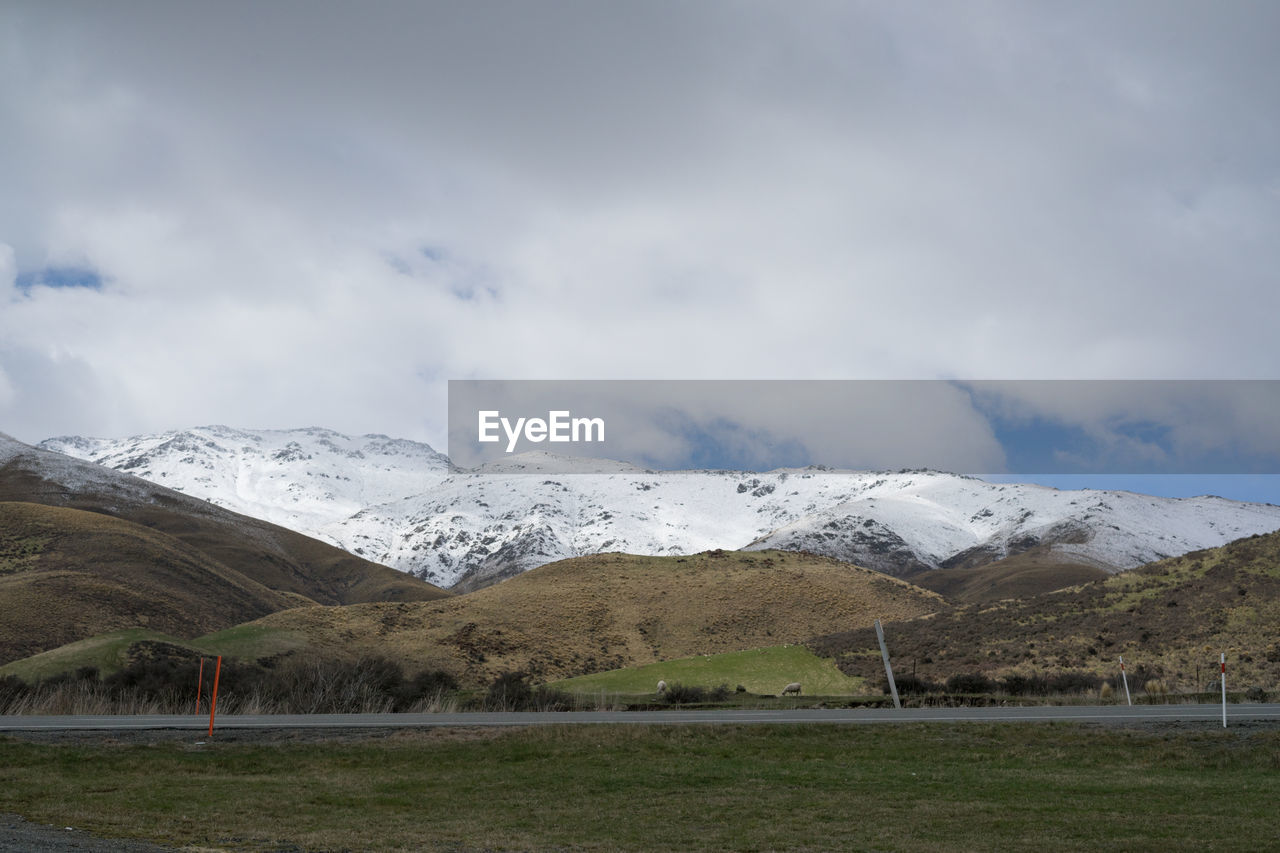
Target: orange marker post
213, 704
199, 685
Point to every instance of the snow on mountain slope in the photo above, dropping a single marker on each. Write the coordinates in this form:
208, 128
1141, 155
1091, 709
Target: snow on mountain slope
937, 521
301, 479
398, 503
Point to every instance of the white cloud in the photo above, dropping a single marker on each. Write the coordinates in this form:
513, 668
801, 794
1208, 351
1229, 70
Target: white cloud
640, 191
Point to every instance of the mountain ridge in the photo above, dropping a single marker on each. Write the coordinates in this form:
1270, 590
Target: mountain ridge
281, 559
470, 528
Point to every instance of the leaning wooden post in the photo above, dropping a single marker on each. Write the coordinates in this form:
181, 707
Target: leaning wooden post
1125, 679
213, 704
888, 670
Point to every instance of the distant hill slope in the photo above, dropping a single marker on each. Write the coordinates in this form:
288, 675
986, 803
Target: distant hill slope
279, 559
607, 611
401, 504
1038, 570
1171, 618
68, 574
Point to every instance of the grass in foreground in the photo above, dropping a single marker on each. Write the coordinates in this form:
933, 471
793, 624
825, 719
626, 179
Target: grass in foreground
908, 788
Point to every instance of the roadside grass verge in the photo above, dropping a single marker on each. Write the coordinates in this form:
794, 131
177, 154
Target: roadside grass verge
765, 670
748, 788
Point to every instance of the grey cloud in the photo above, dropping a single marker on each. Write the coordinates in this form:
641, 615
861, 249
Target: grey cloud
644, 190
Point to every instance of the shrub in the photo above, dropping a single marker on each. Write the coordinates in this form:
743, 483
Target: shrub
511, 691
973, 682
1073, 682
684, 694
427, 684
1024, 685
1255, 694
12, 689
911, 685
719, 694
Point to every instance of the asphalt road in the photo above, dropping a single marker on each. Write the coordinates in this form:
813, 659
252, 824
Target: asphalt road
1252, 713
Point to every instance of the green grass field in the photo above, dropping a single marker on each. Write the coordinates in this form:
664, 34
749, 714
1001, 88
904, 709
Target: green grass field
765, 670
745, 788
109, 652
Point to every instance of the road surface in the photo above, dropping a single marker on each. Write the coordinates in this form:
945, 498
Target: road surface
1252, 713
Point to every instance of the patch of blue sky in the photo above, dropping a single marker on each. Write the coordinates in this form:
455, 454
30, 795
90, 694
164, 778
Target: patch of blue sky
1253, 488
59, 277
1143, 447
722, 444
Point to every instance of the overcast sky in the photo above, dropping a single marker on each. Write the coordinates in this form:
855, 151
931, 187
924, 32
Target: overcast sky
280, 214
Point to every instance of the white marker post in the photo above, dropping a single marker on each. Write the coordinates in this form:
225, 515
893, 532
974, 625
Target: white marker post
1223, 678
1125, 679
888, 670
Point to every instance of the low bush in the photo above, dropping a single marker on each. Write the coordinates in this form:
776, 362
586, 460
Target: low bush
168, 684
1025, 685
1072, 682
973, 682
511, 691
684, 694
911, 685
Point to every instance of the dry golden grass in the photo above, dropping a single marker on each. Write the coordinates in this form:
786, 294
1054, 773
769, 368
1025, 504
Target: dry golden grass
1035, 571
607, 611
277, 558
1170, 620
84, 550
66, 575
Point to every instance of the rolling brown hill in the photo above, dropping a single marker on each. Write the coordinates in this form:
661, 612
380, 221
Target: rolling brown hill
279, 559
605, 611
68, 574
1032, 572
1169, 619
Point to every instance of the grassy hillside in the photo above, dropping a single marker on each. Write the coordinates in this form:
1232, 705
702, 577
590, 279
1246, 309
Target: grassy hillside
765, 670
276, 558
609, 611
67, 575
106, 652
1169, 619
114, 650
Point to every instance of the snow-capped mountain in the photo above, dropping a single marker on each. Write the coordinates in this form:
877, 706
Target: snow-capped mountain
399, 503
302, 479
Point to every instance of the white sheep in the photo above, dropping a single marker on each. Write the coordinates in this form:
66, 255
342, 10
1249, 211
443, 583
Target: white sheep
793, 687
662, 687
